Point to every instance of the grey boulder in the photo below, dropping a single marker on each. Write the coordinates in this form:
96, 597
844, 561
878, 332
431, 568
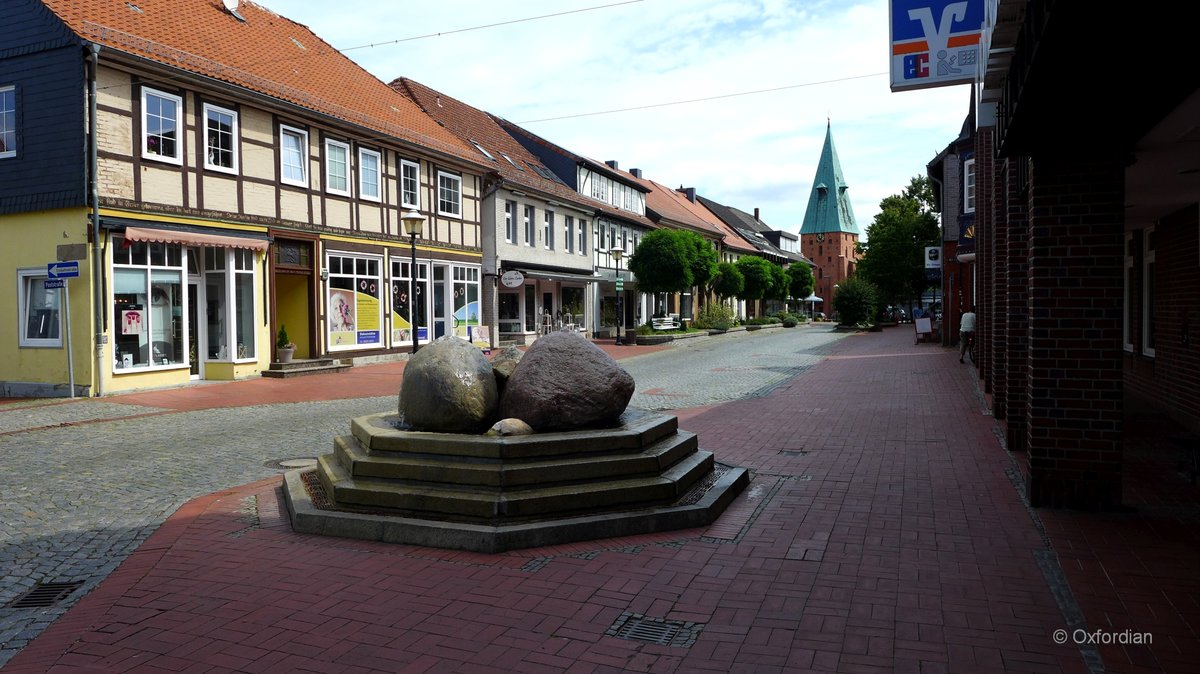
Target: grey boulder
503, 365
448, 387
564, 382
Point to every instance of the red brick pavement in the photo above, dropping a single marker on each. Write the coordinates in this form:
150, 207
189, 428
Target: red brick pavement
880, 533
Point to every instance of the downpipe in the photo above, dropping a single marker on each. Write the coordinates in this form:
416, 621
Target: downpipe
93, 59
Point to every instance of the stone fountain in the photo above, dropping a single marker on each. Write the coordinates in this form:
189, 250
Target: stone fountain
530, 449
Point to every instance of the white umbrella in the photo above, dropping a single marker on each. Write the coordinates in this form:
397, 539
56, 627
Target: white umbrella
812, 305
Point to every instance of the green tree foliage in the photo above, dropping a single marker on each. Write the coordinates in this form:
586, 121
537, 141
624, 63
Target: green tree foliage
663, 262
800, 280
779, 283
758, 278
894, 253
856, 300
704, 258
728, 281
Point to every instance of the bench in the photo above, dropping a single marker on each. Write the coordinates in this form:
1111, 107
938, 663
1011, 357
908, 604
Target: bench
668, 323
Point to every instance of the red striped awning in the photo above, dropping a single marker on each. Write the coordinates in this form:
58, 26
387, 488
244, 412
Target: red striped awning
150, 235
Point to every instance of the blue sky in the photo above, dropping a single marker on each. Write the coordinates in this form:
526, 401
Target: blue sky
748, 151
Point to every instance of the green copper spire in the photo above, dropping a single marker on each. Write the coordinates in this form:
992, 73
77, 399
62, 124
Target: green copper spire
829, 204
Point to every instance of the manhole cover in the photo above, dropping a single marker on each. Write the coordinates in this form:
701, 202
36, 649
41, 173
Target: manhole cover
292, 464
45, 595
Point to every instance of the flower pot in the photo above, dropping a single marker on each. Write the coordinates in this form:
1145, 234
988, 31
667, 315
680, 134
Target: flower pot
284, 354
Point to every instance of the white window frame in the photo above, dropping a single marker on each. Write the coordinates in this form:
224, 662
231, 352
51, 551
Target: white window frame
527, 216
330, 146
177, 159
969, 186
510, 222
372, 280
24, 277
11, 115
405, 167
364, 172
208, 108
1148, 333
457, 201
302, 135
584, 228
548, 229
569, 233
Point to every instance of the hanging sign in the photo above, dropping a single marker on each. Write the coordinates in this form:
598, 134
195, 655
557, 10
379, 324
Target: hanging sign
512, 279
935, 43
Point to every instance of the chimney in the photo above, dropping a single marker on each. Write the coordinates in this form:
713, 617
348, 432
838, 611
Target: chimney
756, 218
636, 173
691, 193
612, 164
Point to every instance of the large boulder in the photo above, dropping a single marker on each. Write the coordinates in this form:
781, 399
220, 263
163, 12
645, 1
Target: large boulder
564, 382
448, 387
503, 365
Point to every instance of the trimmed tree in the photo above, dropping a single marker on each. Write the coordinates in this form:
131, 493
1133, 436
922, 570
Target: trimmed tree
729, 281
758, 279
779, 283
800, 280
704, 257
856, 301
663, 262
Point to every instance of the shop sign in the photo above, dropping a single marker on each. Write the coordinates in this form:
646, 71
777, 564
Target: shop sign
512, 279
934, 43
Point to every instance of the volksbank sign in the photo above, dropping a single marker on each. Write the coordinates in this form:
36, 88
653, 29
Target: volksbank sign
935, 43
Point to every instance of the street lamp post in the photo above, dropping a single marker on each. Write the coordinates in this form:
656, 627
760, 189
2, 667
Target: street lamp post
616, 255
413, 223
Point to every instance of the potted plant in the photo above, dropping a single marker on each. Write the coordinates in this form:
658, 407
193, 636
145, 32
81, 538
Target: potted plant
284, 347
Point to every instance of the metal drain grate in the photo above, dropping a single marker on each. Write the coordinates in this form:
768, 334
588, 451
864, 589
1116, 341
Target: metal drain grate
45, 595
637, 627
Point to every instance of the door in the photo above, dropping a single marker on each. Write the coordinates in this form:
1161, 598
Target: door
441, 314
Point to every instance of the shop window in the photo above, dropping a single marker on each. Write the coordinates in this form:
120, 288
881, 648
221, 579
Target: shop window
40, 314
230, 331
148, 305
508, 310
354, 310
465, 287
403, 305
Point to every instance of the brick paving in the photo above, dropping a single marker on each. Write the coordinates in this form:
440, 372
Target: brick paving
881, 532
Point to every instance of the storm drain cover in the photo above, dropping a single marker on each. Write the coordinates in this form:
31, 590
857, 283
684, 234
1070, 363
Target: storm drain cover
45, 595
637, 627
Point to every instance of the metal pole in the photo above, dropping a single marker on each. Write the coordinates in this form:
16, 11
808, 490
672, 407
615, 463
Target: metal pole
620, 313
70, 356
412, 293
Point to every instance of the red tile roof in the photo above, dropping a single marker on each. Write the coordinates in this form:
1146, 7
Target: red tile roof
267, 53
729, 238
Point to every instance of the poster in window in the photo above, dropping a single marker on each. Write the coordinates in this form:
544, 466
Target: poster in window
133, 322
401, 328
341, 317
367, 308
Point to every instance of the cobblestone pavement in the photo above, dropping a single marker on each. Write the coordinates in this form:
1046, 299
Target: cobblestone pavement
86, 482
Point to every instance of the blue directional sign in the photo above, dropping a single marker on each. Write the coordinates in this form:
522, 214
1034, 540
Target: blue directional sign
52, 283
63, 269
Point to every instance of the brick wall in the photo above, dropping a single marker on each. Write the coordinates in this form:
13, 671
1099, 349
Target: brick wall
1074, 382
984, 255
1015, 366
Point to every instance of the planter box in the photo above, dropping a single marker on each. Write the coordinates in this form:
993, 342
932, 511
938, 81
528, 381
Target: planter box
764, 327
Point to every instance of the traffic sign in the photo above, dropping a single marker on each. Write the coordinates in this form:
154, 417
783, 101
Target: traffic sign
63, 269
51, 283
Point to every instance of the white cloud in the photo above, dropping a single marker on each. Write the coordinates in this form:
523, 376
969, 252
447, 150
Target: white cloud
749, 151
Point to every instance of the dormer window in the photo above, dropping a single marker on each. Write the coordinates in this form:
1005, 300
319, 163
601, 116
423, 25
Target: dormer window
483, 151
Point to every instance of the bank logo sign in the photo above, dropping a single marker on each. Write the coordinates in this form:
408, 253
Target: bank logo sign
935, 43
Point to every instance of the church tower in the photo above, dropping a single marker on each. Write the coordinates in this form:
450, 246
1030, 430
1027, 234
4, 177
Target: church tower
829, 236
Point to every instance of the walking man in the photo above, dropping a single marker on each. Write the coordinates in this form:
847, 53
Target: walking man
966, 333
